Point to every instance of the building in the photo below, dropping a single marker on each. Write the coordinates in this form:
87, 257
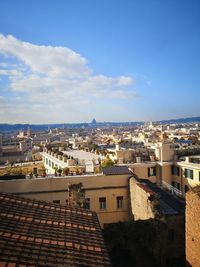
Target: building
107, 194
71, 158
182, 175
150, 202
38, 233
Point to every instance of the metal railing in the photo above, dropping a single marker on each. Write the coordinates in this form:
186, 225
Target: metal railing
173, 190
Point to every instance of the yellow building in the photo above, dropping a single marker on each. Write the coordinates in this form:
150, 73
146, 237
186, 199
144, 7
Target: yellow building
107, 194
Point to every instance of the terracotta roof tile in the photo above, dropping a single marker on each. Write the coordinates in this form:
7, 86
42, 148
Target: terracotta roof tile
38, 233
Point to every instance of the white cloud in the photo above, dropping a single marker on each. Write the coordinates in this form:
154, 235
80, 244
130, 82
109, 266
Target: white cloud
55, 79
123, 80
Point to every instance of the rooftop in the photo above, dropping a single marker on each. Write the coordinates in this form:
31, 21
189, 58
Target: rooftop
169, 204
38, 233
116, 170
82, 155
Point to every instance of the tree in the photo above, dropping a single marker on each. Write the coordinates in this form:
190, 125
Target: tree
59, 172
66, 171
93, 147
107, 163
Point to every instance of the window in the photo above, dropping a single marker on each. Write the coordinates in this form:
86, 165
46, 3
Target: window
87, 203
188, 173
102, 203
175, 170
56, 201
119, 202
186, 188
177, 185
47, 161
199, 176
151, 171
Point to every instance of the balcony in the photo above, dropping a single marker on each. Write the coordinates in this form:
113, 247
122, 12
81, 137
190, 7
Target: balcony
172, 190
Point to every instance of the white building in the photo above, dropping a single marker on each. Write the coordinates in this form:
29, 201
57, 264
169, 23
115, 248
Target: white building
70, 158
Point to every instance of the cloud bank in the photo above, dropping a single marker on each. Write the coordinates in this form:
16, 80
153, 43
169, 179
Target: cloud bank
41, 84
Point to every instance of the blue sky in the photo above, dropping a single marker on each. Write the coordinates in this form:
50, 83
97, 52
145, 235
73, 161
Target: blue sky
115, 60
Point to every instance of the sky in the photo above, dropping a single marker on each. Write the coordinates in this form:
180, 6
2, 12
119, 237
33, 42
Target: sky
68, 61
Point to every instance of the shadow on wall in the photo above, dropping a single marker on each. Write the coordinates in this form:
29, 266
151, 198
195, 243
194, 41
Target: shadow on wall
141, 244
188, 264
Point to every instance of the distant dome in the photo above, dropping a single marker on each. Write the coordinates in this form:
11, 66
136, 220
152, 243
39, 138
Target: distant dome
94, 121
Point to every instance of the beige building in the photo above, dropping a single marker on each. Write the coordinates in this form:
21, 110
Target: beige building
107, 194
182, 175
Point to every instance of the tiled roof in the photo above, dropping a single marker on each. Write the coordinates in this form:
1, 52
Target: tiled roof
38, 233
116, 170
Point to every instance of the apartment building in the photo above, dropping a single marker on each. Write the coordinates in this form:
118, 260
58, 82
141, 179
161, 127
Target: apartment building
107, 193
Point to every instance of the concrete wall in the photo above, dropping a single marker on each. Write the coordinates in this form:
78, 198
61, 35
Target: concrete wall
141, 170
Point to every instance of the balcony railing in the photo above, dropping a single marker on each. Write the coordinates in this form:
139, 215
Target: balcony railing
173, 190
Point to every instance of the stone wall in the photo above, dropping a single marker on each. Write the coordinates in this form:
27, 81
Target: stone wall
142, 199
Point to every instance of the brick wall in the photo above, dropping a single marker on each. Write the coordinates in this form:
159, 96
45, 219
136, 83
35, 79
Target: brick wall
193, 227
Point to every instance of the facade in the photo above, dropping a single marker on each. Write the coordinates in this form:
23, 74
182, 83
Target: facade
185, 174
107, 195
164, 151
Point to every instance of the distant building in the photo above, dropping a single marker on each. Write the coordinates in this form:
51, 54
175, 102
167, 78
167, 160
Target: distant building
89, 161
93, 121
28, 132
21, 134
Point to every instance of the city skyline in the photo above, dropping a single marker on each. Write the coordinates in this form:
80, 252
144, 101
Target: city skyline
115, 61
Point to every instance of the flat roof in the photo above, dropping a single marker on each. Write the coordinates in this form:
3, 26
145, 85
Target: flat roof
82, 155
39, 233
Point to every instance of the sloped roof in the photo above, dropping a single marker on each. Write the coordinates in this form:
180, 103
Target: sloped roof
116, 170
38, 233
